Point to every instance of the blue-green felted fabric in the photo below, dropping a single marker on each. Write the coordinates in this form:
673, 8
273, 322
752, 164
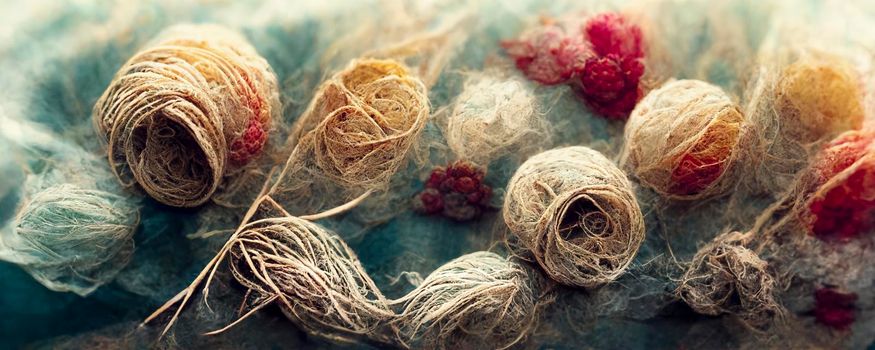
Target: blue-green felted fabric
57, 65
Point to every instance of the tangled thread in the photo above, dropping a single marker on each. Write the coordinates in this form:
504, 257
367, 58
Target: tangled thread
727, 278
189, 109
479, 300
602, 59
313, 275
684, 139
575, 211
70, 238
456, 192
494, 117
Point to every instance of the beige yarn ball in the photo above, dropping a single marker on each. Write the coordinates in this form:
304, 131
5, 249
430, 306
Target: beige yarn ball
576, 213
684, 140
194, 105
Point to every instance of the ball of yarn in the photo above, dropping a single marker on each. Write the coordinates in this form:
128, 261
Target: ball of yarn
494, 117
727, 278
575, 211
479, 300
187, 110
362, 123
313, 275
684, 140
71, 238
819, 97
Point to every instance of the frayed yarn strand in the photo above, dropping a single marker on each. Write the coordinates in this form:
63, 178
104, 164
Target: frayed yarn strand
479, 300
575, 211
684, 141
313, 275
70, 238
191, 108
727, 278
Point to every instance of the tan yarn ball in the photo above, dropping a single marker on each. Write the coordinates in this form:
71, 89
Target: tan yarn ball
819, 97
576, 213
194, 105
684, 140
362, 123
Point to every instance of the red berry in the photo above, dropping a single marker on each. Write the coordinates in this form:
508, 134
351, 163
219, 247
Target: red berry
848, 208
610, 34
436, 178
610, 85
465, 185
456, 191
548, 54
432, 201
834, 309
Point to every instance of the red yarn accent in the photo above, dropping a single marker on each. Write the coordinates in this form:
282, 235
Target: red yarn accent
251, 142
694, 174
848, 209
834, 309
548, 55
456, 192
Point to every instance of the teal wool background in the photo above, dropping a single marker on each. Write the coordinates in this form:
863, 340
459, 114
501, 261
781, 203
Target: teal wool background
56, 59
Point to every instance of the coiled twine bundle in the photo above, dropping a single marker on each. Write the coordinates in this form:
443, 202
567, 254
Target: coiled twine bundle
313, 275
362, 122
477, 301
575, 211
727, 278
71, 238
187, 110
495, 117
684, 139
